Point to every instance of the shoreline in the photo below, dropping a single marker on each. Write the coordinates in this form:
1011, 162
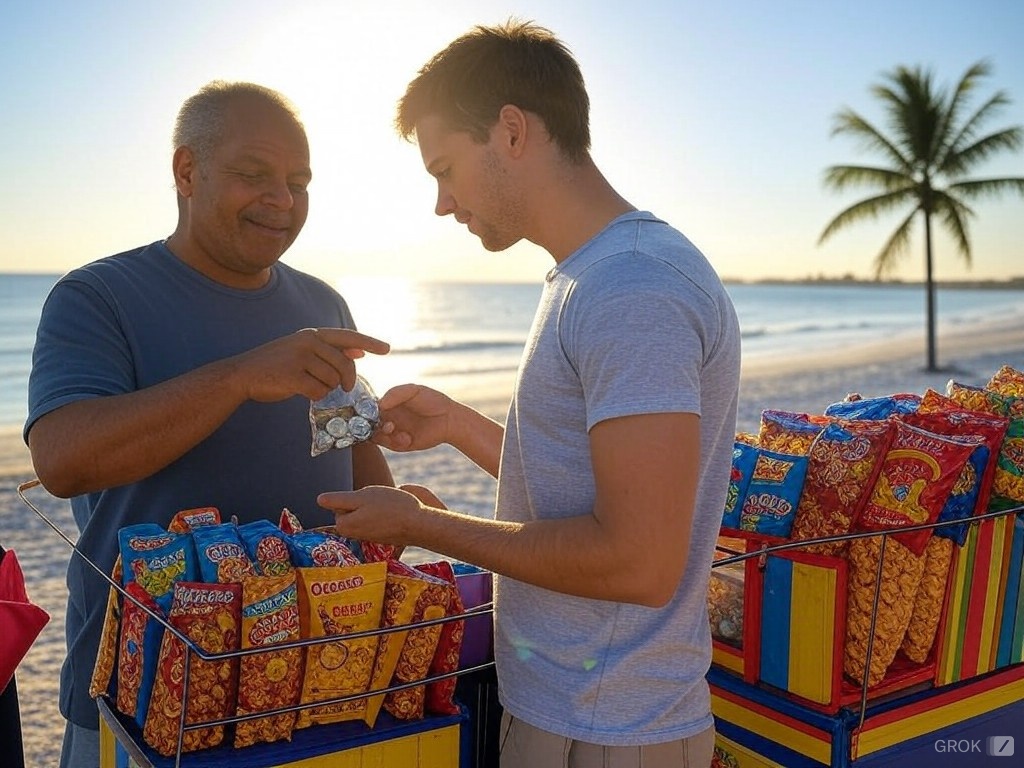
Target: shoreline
881, 367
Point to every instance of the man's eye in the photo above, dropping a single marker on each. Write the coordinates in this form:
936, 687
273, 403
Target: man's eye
444, 174
297, 189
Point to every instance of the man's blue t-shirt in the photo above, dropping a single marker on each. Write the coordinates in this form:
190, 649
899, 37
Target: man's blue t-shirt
139, 318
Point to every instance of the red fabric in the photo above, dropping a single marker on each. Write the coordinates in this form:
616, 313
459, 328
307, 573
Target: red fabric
20, 620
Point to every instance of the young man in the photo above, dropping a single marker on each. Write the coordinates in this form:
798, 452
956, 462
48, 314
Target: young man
179, 374
614, 460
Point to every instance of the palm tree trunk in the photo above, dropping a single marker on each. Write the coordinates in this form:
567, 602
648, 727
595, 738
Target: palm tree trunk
929, 291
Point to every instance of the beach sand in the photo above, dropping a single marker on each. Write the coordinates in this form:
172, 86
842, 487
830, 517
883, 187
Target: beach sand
798, 383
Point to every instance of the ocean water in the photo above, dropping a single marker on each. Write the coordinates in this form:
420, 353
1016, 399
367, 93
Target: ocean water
468, 335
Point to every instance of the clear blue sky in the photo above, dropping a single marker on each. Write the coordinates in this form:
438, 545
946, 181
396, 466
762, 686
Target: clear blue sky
716, 116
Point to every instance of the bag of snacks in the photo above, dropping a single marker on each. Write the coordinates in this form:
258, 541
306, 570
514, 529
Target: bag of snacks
267, 547
222, 558
336, 602
273, 679
210, 616
744, 457
773, 492
156, 559
842, 468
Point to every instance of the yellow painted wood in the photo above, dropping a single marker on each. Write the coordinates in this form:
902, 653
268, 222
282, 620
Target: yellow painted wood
727, 660
438, 748
108, 746
990, 626
812, 627
819, 749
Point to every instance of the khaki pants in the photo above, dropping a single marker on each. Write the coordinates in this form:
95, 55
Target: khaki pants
524, 746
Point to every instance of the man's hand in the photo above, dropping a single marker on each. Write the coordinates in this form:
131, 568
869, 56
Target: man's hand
413, 417
310, 362
375, 513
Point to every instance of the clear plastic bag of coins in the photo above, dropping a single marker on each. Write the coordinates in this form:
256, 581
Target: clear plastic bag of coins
341, 419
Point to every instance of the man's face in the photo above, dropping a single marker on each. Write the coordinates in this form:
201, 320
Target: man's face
247, 202
473, 184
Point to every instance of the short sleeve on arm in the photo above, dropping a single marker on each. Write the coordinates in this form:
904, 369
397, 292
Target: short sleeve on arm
81, 350
636, 338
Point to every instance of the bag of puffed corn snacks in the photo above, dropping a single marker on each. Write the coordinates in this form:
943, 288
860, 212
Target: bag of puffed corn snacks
1007, 381
931, 593
188, 519
990, 425
139, 650
1009, 473
874, 407
902, 571
744, 457
788, 432
222, 558
337, 602
441, 694
155, 558
842, 467
917, 476
773, 493
320, 549
982, 430
270, 680
418, 651
402, 591
267, 547
210, 616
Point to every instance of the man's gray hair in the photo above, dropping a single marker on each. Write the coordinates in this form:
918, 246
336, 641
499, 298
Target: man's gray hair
201, 118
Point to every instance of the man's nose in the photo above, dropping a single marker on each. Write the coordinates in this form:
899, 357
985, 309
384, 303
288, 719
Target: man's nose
445, 203
279, 194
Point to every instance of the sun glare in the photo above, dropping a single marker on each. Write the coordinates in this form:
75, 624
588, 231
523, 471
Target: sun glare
388, 309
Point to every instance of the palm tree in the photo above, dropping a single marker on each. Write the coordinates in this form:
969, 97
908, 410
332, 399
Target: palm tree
929, 150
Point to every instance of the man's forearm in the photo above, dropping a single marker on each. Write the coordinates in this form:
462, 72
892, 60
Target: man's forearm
478, 438
104, 442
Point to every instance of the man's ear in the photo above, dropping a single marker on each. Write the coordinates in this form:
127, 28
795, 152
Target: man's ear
183, 165
513, 124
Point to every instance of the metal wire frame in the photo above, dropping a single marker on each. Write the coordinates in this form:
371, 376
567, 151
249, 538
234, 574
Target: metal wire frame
192, 649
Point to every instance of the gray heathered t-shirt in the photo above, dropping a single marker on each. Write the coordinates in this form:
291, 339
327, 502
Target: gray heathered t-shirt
635, 322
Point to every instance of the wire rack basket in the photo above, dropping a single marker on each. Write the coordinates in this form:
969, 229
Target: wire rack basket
143, 758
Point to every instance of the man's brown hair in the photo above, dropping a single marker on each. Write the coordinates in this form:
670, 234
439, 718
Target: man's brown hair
518, 63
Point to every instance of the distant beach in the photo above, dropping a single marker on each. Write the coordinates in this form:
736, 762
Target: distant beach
792, 379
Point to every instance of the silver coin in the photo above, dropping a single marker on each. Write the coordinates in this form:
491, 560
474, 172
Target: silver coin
336, 427
360, 428
367, 408
322, 441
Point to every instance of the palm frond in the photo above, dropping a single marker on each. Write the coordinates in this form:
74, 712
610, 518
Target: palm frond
979, 188
895, 246
960, 161
952, 139
915, 113
842, 177
849, 122
954, 214
869, 208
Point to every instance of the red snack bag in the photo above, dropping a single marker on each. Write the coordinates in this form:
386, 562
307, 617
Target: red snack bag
914, 482
210, 616
441, 694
